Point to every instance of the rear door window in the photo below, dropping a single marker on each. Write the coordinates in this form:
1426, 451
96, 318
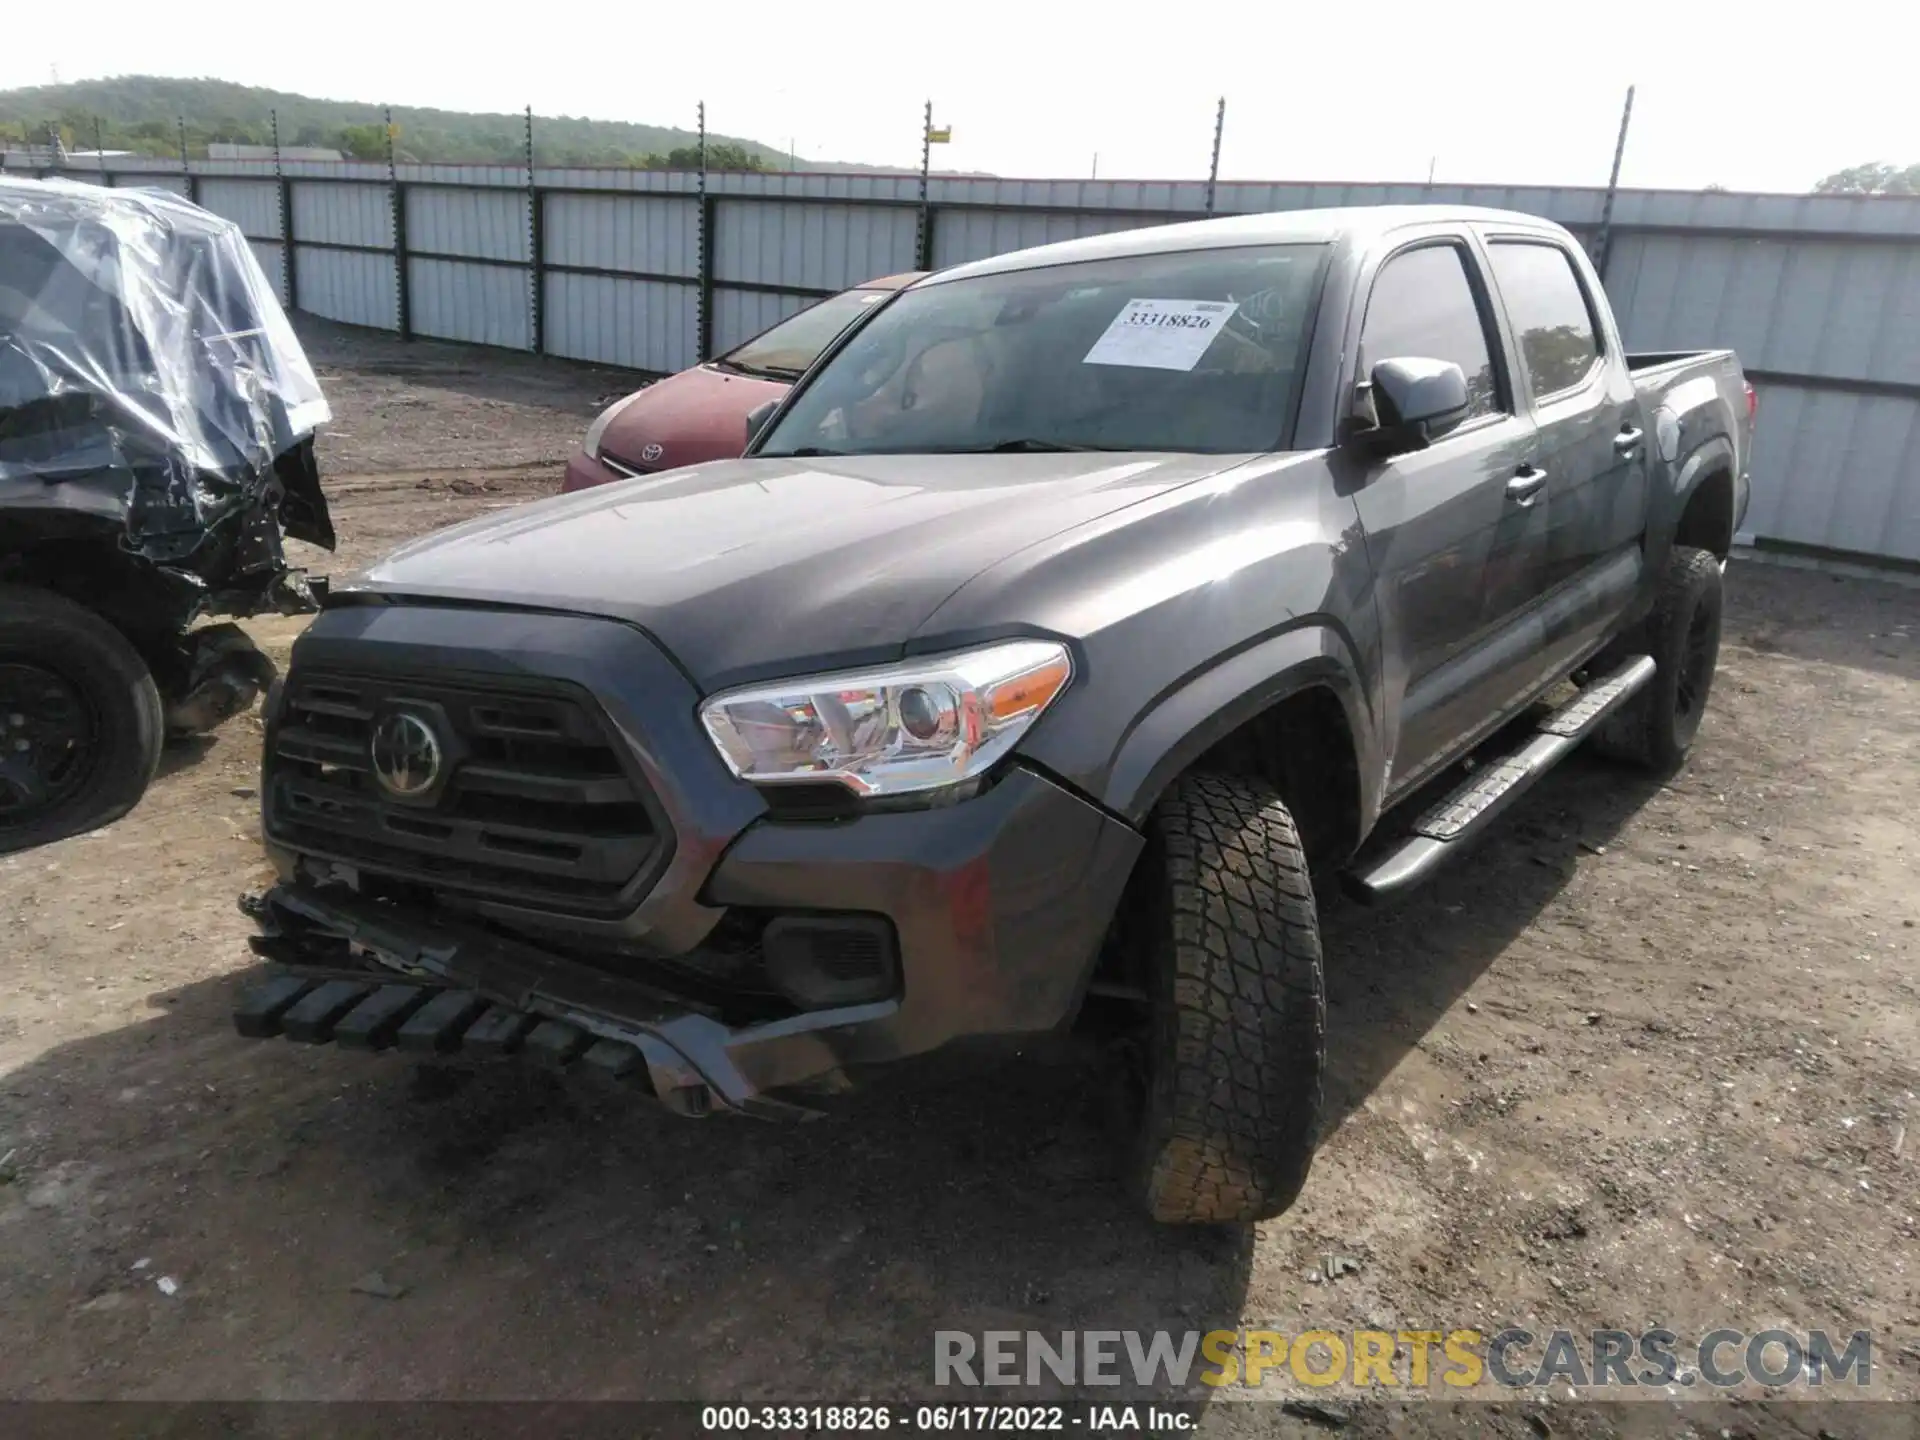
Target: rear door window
1423, 305
1549, 311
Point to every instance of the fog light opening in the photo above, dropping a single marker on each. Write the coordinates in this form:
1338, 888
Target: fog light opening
823, 961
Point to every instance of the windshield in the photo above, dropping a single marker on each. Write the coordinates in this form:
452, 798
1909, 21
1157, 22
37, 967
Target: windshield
785, 351
1197, 352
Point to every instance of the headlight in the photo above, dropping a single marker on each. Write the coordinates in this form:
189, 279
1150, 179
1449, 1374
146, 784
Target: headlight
598, 428
893, 730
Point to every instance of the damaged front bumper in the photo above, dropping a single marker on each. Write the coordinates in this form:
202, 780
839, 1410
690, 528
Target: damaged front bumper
370, 977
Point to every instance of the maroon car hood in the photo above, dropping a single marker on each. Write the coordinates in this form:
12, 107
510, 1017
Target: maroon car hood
699, 414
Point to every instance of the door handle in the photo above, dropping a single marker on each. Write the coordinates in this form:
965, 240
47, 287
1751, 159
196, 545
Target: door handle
1628, 440
1525, 486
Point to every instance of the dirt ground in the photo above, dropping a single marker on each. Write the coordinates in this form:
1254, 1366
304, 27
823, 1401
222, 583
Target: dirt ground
1651, 1058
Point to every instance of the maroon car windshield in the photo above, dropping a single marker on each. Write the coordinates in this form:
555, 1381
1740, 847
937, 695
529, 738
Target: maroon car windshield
785, 351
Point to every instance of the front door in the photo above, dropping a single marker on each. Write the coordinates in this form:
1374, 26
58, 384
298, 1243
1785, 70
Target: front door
1438, 520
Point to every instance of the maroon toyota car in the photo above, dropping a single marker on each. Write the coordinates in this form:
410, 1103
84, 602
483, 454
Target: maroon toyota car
701, 414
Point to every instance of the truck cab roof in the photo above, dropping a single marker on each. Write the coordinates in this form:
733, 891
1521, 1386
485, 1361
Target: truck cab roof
1357, 227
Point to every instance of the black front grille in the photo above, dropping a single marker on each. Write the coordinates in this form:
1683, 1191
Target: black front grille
542, 805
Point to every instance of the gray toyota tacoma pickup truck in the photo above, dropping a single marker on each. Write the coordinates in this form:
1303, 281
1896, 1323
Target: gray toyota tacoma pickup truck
1076, 613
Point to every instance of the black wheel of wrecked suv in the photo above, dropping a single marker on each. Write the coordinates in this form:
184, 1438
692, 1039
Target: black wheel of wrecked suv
1682, 634
1235, 1049
80, 720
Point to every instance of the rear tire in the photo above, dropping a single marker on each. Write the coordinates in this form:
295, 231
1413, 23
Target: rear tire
80, 720
1236, 1051
1657, 727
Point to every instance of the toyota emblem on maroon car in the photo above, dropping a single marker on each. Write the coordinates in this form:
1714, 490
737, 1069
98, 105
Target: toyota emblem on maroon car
651, 452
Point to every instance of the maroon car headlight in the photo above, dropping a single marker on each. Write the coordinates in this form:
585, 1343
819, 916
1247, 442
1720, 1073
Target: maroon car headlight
598, 429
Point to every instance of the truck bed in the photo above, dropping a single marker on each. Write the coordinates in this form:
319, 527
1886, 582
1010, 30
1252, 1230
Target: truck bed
1652, 364
1690, 380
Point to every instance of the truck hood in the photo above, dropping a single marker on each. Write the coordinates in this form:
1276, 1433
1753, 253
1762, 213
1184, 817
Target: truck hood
746, 569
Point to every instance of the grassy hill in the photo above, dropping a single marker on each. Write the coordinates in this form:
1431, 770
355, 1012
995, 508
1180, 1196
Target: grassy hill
143, 113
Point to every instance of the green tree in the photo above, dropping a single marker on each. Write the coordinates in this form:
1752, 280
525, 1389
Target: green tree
361, 142
721, 155
1874, 178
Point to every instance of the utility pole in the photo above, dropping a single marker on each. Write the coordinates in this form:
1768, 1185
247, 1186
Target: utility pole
1213, 171
1096, 165
1432, 160
1603, 242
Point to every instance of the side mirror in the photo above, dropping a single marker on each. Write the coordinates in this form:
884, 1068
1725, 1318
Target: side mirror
1416, 400
757, 418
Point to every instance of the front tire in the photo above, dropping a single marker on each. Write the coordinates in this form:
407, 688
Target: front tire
1236, 1050
80, 720
1657, 727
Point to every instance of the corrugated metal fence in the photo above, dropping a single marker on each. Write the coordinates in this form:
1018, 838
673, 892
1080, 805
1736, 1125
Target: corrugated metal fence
655, 270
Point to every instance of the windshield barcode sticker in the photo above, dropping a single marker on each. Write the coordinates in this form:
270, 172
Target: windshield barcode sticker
1161, 334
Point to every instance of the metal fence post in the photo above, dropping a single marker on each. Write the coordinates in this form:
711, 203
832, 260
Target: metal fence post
923, 232
703, 321
186, 166
536, 253
402, 281
283, 187
1603, 242
1213, 171
99, 148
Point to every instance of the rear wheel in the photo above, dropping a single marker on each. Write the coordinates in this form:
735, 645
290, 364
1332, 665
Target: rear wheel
1234, 1058
1657, 727
80, 720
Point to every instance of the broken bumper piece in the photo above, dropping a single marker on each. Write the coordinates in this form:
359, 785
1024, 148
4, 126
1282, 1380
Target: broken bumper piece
368, 977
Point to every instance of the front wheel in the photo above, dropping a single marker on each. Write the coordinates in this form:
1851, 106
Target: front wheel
1657, 727
80, 721
1236, 1048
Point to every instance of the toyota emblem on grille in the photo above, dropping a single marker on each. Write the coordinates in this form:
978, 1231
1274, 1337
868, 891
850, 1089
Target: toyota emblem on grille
651, 452
406, 754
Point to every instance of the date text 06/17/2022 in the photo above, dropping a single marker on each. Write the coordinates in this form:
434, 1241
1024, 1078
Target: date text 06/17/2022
1145, 1419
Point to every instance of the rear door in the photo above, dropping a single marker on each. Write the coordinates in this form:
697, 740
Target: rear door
1438, 519
1590, 443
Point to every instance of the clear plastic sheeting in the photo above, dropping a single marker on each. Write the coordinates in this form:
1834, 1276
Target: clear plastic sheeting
149, 378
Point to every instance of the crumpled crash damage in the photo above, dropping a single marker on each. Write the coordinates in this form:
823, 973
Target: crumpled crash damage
152, 396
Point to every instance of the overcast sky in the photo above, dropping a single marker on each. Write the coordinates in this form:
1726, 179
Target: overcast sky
1745, 96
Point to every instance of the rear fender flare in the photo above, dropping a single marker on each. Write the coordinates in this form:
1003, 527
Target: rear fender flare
1710, 455
1202, 709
